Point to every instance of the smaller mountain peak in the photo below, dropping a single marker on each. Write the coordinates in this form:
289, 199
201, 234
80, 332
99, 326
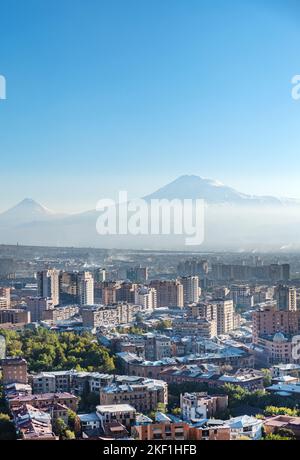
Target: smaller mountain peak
27, 210
30, 203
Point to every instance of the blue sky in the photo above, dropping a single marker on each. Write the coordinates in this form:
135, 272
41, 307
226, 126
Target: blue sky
105, 95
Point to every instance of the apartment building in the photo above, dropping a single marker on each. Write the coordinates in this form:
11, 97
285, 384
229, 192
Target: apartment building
163, 428
37, 307
85, 288
48, 285
146, 297
201, 405
169, 293
45, 400
102, 315
4, 297
191, 289
270, 321
14, 316
144, 397
225, 315
286, 298
198, 327
14, 370
60, 313
33, 424
122, 413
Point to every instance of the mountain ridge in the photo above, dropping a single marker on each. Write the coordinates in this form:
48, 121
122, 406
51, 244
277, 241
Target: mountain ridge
183, 187
212, 191
233, 220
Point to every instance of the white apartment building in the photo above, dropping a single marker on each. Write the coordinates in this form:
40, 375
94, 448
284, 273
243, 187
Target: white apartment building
191, 289
48, 285
146, 297
86, 288
225, 316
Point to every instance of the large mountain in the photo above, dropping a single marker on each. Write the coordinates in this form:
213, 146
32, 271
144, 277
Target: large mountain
232, 221
212, 191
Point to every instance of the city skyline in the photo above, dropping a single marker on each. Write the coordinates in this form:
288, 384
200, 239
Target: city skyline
149, 224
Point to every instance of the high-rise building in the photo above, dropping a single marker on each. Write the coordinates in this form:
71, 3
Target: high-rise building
286, 298
146, 297
225, 316
86, 288
169, 293
48, 285
205, 310
274, 332
191, 290
193, 267
126, 292
3, 303
5, 294
100, 275
269, 321
37, 305
239, 272
68, 288
107, 292
285, 272
138, 274
241, 296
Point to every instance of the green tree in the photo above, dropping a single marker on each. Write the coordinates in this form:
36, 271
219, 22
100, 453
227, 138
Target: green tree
3, 402
163, 324
276, 437
89, 400
68, 434
272, 410
73, 421
267, 377
59, 427
47, 350
7, 429
161, 407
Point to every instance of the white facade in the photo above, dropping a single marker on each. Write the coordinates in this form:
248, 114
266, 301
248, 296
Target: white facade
245, 427
192, 407
191, 290
86, 288
48, 285
146, 297
225, 316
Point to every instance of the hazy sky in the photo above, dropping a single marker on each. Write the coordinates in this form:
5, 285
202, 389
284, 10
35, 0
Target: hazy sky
105, 95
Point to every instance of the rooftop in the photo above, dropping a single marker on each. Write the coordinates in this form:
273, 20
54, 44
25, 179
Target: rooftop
285, 389
115, 408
